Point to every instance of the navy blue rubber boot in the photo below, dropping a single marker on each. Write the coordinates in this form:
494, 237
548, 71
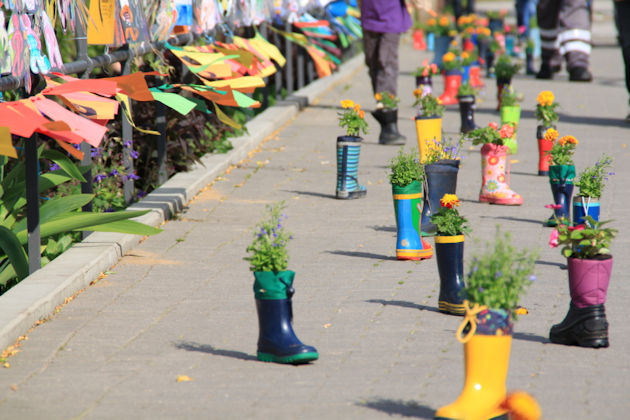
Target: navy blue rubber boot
440, 179
449, 252
562, 195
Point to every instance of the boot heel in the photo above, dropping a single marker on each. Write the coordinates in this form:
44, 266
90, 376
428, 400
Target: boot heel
594, 343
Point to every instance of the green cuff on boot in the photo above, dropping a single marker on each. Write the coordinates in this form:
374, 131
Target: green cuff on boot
272, 285
561, 174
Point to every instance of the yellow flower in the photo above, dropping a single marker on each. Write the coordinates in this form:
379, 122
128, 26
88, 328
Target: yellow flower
449, 201
378, 96
465, 55
347, 103
454, 43
452, 32
522, 406
545, 98
551, 134
448, 57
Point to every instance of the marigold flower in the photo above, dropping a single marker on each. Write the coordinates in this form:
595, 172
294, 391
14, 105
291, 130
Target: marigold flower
465, 55
357, 107
545, 98
361, 113
551, 134
448, 57
449, 201
567, 140
443, 21
522, 406
470, 30
431, 21
418, 92
347, 103
378, 96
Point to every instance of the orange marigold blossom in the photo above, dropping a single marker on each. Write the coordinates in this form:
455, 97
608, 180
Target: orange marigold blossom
465, 55
567, 140
347, 103
545, 98
357, 107
449, 201
361, 113
431, 21
417, 92
470, 30
448, 57
551, 134
443, 21
378, 96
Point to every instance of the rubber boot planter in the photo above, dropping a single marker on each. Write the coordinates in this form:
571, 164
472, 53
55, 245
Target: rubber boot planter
388, 120
495, 175
501, 84
511, 114
475, 76
467, 113
348, 151
486, 360
544, 147
418, 40
561, 181
276, 340
585, 324
452, 82
407, 204
449, 253
440, 178
585, 206
428, 132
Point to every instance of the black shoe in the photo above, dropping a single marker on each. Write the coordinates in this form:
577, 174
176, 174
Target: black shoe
580, 74
584, 327
545, 72
627, 119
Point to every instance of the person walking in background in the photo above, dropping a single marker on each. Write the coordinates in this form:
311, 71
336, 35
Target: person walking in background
525, 9
565, 30
622, 20
383, 21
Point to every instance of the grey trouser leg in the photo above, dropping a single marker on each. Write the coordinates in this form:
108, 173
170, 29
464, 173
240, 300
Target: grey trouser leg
381, 59
622, 19
565, 25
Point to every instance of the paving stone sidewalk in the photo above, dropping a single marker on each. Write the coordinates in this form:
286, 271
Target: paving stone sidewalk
181, 303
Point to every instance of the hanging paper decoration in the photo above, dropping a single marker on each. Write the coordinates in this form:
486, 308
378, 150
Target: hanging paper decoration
184, 12
52, 46
132, 22
39, 63
5, 48
164, 21
101, 23
6, 144
208, 13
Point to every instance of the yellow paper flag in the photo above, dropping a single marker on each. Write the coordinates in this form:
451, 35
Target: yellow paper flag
6, 145
100, 22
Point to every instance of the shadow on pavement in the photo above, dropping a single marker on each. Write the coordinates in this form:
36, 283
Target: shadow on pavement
206, 348
529, 337
362, 255
311, 193
400, 407
524, 173
514, 219
560, 265
404, 304
383, 228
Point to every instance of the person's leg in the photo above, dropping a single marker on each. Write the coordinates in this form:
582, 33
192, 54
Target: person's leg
371, 47
622, 19
387, 74
574, 37
547, 15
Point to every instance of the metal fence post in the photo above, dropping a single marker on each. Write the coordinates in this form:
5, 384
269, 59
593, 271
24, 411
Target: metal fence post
32, 204
278, 75
127, 138
300, 67
289, 55
160, 122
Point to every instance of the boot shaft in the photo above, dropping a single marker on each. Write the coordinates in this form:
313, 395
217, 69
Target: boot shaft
466, 113
452, 82
407, 207
449, 251
428, 132
348, 153
589, 280
440, 179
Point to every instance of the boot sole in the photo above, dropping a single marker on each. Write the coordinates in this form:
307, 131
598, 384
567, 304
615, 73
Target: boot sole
592, 342
503, 202
296, 359
350, 195
501, 417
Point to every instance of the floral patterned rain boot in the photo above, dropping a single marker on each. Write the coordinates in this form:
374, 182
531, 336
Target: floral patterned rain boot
495, 175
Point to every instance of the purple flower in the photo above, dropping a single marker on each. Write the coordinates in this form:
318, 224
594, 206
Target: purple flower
96, 152
99, 177
113, 173
127, 143
480, 289
134, 154
532, 278
141, 194
53, 167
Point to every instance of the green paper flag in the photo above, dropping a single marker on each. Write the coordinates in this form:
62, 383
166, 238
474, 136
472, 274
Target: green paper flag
174, 101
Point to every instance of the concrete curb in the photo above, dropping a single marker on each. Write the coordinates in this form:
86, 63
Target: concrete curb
36, 297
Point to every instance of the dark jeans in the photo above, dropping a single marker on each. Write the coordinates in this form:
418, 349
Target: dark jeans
622, 19
381, 59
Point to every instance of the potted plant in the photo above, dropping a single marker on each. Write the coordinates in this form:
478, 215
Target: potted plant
449, 253
273, 291
495, 282
467, 59
349, 149
504, 69
590, 183
587, 249
424, 76
406, 176
511, 114
428, 121
496, 19
441, 166
444, 29
547, 116
386, 113
452, 77
495, 169
561, 174
466, 98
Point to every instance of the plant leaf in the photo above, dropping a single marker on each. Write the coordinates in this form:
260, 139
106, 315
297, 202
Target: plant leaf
55, 207
64, 163
125, 226
11, 246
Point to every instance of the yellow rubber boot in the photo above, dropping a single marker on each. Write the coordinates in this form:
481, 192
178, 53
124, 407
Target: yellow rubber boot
486, 360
